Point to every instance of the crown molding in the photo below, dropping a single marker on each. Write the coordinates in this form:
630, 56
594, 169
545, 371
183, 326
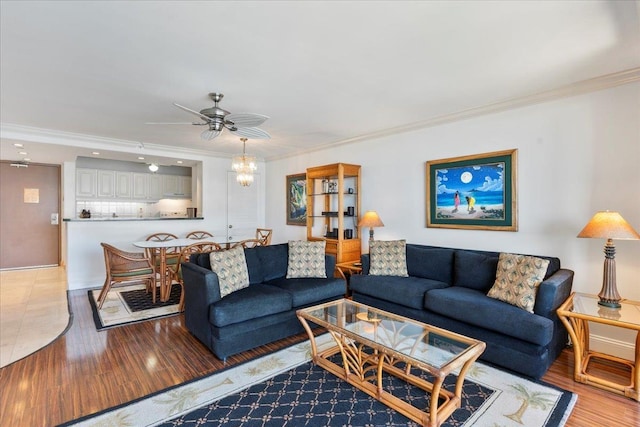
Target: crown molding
585, 86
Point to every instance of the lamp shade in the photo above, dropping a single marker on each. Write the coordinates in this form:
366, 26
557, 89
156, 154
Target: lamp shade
370, 219
609, 225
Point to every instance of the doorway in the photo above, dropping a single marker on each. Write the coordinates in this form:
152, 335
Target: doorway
29, 215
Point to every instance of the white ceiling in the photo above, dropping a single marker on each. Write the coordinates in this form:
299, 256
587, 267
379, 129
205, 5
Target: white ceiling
325, 72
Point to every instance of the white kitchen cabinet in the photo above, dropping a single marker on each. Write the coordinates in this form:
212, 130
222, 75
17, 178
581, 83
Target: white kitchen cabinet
140, 186
106, 184
176, 186
124, 185
154, 187
86, 186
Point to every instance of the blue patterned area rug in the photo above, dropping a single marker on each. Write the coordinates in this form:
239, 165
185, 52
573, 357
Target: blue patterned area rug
285, 389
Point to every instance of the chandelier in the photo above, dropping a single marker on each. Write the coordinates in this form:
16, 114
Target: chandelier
244, 166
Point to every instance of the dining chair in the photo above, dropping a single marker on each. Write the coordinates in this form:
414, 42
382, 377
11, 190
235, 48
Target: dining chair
185, 254
264, 234
123, 267
199, 235
249, 243
172, 253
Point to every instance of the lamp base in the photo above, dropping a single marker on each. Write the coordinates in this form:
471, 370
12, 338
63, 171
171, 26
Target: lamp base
609, 304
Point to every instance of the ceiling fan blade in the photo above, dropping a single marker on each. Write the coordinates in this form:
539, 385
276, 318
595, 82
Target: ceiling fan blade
251, 133
243, 120
189, 110
174, 123
209, 134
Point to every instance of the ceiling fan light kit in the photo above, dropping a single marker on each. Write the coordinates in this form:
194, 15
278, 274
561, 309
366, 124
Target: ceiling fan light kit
217, 119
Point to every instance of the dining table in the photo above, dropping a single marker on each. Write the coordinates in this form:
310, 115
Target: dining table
160, 248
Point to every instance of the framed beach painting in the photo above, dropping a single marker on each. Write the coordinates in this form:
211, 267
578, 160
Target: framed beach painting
297, 199
473, 192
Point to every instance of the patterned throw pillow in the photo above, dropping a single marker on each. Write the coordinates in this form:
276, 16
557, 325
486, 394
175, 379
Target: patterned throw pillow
231, 268
306, 259
517, 280
388, 258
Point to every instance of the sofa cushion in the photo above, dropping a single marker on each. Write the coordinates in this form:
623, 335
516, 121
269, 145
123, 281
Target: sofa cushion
407, 291
474, 270
430, 263
249, 303
273, 259
517, 280
305, 291
388, 258
475, 308
231, 268
306, 259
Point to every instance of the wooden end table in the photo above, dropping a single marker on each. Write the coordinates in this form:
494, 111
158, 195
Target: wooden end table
576, 313
346, 269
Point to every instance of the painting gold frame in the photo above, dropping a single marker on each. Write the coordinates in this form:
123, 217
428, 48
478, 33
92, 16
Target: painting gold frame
476, 192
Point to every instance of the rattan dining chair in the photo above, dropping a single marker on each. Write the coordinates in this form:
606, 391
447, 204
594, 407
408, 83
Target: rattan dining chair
126, 267
264, 234
249, 243
172, 253
199, 235
185, 254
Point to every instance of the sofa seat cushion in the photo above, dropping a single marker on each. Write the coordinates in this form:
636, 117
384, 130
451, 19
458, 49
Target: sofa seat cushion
407, 291
475, 308
249, 303
305, 291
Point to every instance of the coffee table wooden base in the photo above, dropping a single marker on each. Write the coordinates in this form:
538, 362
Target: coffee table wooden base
363, 369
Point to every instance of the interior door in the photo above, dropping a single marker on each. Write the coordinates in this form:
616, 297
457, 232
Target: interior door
242, 209
29, 215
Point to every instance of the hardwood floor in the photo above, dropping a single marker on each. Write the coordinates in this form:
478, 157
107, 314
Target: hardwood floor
85, 371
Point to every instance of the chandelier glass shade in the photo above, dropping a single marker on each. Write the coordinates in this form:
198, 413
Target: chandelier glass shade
244, 166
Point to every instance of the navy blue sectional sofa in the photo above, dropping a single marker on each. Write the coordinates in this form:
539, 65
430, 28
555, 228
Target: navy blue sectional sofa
447, 288
263, 312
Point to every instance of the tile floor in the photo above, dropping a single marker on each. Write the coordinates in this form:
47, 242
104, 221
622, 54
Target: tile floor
33, 310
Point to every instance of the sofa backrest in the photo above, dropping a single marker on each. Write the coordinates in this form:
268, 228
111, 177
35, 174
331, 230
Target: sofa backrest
460, 267
264, 263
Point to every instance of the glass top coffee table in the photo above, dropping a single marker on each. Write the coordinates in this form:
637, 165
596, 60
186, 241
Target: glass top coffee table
372, 342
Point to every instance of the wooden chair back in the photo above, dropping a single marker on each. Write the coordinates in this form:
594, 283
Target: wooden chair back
249, 243
264, 234
199, 235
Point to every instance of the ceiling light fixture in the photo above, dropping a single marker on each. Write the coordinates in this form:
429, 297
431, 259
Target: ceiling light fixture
18, 145
153, 167
244, 166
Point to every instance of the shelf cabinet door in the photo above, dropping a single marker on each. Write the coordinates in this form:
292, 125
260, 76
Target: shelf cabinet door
86, 183
124, 185
140, 186
106, 184
154, 187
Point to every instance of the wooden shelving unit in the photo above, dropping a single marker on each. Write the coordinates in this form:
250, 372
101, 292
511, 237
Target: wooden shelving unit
333, 209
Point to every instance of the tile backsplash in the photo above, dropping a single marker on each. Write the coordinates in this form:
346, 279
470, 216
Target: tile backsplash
120, 209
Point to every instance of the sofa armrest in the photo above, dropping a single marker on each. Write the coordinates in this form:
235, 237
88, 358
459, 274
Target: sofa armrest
201, 288
553, 292
365, 259
330, 264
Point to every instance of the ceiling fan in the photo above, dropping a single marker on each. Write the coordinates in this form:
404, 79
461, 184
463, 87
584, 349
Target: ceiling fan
217, 119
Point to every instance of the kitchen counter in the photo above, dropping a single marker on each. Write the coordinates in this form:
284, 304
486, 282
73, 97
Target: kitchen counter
110, 218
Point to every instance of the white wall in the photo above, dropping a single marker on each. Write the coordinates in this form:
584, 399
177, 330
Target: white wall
576, 156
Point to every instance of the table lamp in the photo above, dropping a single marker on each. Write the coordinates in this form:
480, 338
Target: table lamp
609, 225
370, 219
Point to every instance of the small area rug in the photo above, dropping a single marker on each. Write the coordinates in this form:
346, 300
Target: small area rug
130, 304
285, 389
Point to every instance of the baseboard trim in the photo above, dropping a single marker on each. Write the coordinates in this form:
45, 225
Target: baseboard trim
607, 345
